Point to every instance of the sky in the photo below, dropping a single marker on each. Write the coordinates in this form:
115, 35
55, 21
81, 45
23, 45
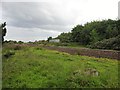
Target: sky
30, 20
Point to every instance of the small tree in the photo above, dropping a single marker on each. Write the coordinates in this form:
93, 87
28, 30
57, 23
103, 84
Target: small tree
20, 42
49, 38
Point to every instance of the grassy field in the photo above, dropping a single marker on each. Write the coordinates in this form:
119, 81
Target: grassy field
36, 67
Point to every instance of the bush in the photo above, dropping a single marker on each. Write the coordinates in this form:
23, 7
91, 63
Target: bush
9, 53
58, 44
12, 46
112, 43
17, 47
64, 44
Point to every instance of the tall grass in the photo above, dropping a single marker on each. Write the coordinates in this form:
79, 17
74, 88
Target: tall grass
36, 67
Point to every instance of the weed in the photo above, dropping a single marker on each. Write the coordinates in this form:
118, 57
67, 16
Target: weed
9, 53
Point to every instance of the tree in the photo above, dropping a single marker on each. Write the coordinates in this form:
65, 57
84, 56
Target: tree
81, 34
109, 31
76, 33
65, 37
84, 38
3, 31
92, 32
20, 42
94, 36
118, 26
49, 38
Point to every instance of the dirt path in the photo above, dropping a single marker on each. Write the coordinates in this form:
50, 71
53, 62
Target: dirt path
88, 52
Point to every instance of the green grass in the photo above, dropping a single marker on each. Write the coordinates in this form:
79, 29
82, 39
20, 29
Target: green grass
34, 67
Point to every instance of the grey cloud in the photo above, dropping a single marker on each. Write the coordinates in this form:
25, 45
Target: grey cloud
35, 15
39, 20
25, 34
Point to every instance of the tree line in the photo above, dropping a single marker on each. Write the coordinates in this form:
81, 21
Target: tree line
103, 34
93, 32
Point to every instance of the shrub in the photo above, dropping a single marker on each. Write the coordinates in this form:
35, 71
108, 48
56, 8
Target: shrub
17, 47
62, 44
38, 48
112, 43
9, 53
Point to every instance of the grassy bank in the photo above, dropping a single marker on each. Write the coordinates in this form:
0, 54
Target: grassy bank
35, 67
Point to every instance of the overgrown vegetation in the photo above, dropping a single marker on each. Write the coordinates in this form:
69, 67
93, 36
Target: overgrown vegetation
93, 32
28, 65
112, 43
36, 67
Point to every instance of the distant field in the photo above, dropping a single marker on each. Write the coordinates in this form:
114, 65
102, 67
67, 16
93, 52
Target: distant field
36, 67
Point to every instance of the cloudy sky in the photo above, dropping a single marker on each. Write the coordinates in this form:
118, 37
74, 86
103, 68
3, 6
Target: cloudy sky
30, 21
